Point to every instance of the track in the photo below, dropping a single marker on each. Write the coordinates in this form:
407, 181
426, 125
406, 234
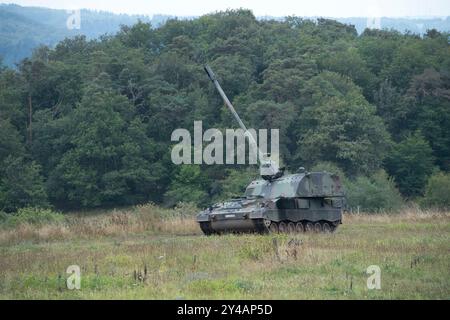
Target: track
264, 226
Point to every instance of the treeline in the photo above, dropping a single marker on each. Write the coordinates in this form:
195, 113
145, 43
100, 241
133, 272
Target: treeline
25, 28
88, 123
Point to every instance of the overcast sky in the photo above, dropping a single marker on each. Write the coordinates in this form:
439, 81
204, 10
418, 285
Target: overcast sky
329, 8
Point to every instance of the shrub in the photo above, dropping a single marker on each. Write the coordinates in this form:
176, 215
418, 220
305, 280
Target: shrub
437, 191
410, 162
373, 194
21, 185
188, 185
32, 215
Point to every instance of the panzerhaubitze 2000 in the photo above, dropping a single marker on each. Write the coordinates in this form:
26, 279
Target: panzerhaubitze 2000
300, 202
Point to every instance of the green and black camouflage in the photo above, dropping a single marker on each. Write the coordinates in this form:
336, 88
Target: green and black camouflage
305, 201
309, 201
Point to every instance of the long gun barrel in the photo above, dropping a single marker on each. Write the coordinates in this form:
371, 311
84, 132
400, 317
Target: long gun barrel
213, 78
269, 170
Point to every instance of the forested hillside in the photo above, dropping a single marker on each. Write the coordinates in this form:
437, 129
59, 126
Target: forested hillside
88, 123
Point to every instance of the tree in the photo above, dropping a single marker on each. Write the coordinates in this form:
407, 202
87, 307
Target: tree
393, 108
235, 73
11, 99
436, 191
168, 109
378, 47
10, 141
236, 181
102, 111
340, 126
407, 61
373, 194
284, 79
268, 115
410, 162
111, 160
188, 185
21, 185
348, 62
333, 30
140, 35
429, 97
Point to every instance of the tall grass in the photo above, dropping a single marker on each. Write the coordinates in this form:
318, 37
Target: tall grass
142, 219
149, 219
148, 252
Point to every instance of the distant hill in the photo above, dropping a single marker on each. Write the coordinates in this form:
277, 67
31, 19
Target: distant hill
24, 28
414, 25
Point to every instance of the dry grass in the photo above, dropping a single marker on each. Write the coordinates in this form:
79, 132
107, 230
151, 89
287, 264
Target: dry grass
411, 213
148, 219
145, 253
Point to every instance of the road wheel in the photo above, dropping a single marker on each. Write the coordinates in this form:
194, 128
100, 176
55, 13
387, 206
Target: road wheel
317, 227
326, 228
291, 227
206, 228
299, 227
282, 227
273, 228
309, 227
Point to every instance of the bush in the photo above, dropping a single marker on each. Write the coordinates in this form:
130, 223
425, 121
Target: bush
437, 191
410, 162
36, 216
21, 185
373, 194
188, 185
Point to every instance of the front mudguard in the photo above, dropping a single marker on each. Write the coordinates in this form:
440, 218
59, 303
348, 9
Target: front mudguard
203, 217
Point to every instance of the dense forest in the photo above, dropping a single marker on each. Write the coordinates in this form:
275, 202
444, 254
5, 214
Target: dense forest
88, 123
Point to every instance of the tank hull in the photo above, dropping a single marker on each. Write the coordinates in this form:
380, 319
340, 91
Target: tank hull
308, 201
271, 220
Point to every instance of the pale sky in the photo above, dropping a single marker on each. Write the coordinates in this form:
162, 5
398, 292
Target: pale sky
328, 8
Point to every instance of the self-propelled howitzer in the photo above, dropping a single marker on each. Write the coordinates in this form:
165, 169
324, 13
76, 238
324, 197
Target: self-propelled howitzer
308, 201
300, 202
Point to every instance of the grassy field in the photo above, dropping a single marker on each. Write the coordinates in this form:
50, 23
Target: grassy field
150, 253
